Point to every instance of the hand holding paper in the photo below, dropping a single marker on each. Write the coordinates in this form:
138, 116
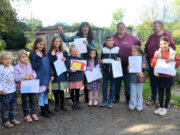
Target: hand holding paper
80, 45
78, 64
135, 63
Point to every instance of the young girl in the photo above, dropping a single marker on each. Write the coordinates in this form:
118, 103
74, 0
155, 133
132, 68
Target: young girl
59, 82
164, 81
40, 63
23, 71
75, 77
136, 87
7, 91
94, 86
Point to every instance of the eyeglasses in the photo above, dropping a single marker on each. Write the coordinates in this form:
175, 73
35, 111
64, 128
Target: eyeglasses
109, 40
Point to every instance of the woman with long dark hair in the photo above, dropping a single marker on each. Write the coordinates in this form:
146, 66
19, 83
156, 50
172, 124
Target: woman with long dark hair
84, 31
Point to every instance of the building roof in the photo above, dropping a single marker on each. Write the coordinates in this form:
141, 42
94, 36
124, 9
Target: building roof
47, 31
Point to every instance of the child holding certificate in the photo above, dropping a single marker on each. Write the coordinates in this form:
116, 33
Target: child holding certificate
40, 63
59, 82
164, 81
7, 91
24, 71
94, 86
109, 53
136, 85
75, 77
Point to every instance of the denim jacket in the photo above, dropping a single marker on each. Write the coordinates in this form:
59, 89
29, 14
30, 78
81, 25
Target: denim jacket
42, 67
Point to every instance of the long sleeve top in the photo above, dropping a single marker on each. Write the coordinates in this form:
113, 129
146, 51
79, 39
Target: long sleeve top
7, 82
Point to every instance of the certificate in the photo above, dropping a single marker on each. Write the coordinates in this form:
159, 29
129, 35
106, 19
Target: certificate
93, 75
117, 69
135, 63
80, 45
29, 86
165, 68
60, 66
78, 64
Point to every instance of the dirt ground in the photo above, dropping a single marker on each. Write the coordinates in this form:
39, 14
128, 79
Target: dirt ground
99, 121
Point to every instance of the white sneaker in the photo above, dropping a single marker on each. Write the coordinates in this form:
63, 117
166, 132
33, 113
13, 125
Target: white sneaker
158, 110
163, 112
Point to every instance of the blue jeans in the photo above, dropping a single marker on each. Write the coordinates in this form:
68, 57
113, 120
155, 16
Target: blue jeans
32, 103
106, 78
42, 98
126, 80
136, 98
153, 84
8, 107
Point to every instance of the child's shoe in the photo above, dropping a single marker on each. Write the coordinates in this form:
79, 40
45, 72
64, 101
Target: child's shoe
95, 103
158, 111
28, 119
35, 117
44, 113
47, 108
74, 106
8, 125
56, 107
103, 104
131, 109
63, 108
139, 110
15, 122
109, 104
163, 112
77, 105
90, 102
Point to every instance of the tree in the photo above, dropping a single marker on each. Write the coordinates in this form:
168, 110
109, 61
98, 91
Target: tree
117, 17
155, 10
175, 8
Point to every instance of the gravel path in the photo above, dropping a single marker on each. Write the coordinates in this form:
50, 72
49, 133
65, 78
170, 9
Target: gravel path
100, 121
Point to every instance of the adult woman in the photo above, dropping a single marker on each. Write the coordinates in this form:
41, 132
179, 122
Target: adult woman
84, 31
125, 41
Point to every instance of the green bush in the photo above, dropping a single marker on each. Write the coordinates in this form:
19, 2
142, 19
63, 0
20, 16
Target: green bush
2, 44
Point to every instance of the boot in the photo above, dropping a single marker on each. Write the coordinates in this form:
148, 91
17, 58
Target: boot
127, 99
77, 105
90, 97
116, 98
56, 96
62, 101
47, 108
86, 95
95, 103
44, 113
74, 106
56, 107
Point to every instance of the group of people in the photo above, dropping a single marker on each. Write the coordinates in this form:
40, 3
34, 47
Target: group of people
116, 47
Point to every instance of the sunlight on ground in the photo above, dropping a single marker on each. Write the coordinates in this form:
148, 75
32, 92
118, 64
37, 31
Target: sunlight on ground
148, 129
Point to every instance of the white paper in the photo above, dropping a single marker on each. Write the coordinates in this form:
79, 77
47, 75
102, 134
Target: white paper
117, 69
165, 68
30, 86
60, 66
93, 75
81, 61
108, 61
80, 45
135, 63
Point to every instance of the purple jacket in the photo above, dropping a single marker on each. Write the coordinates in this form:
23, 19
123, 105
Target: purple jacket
152, 44
91, 64
125, 43
20, 72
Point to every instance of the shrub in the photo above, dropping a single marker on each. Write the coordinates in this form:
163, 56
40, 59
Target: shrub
2, 44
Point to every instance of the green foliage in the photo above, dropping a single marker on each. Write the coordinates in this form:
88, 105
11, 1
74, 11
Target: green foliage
117, 17
175, 8
2, 45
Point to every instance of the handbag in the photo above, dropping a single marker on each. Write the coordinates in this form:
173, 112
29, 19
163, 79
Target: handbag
142, 78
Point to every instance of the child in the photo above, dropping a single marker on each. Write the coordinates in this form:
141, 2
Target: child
164, 81
40, 63
136, 87
23, 71
59, 82
110, 52
7, 91
75, 77
94, 86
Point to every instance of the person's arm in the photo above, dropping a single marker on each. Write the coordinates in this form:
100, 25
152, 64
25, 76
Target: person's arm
33, 73
91, 45
171, 41
146, 47
18, 75
35, 61
177, 60
145, 61
52, 58
66, 38
153, 62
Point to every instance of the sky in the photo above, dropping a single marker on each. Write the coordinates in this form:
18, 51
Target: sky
98, 12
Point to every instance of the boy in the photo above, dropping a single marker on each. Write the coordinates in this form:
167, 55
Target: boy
109, 53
